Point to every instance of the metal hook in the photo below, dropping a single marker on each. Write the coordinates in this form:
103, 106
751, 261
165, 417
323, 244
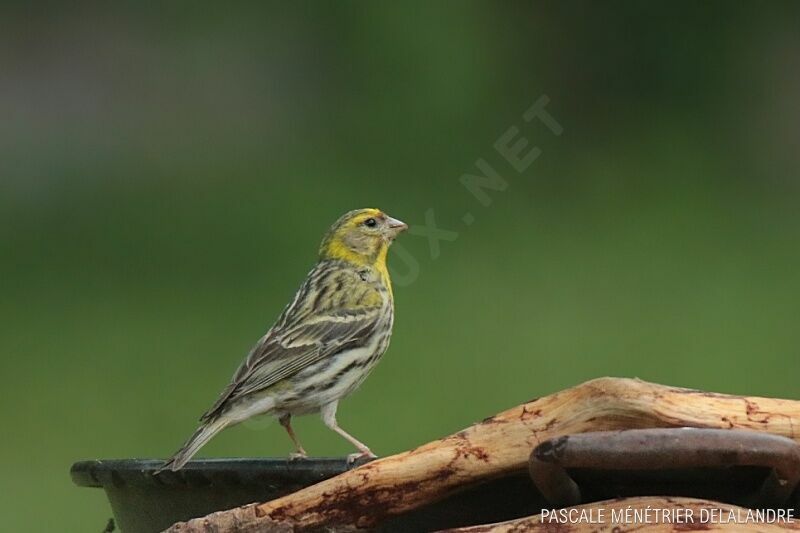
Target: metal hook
661, 449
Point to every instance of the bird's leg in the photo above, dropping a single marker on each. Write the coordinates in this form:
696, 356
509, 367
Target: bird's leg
286, 422
328, 413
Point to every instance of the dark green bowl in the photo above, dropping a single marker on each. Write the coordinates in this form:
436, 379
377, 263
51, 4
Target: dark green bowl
142, 502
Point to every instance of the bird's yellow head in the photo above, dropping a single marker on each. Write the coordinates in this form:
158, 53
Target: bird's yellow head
361, 237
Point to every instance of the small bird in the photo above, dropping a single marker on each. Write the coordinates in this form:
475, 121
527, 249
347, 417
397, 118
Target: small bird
324, 343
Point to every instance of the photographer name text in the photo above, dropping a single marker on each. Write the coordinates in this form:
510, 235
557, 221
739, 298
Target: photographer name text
654, 515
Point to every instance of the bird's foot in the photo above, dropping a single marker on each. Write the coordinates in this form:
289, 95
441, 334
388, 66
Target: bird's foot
365, 455
298, 455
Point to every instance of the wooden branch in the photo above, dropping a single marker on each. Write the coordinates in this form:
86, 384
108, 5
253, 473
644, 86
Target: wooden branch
501, 445
686, 514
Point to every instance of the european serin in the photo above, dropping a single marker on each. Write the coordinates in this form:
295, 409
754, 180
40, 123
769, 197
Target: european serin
325, 342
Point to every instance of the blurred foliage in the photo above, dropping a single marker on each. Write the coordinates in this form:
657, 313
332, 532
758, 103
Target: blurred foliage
166, 175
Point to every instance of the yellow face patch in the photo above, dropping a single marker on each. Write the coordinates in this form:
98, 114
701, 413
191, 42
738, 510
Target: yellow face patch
353, 233
356, 240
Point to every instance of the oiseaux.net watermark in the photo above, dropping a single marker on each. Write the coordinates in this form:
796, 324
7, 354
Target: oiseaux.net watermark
650, 515
512, 154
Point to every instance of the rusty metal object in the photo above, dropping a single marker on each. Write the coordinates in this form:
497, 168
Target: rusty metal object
664, 449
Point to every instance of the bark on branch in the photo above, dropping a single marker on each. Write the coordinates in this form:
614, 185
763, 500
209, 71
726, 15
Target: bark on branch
498, 446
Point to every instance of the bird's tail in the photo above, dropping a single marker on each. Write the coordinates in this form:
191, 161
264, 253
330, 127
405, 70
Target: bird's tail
203, 434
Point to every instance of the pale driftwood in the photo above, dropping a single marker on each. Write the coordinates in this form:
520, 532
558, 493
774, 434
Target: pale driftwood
240, 520
652, 524
498, 446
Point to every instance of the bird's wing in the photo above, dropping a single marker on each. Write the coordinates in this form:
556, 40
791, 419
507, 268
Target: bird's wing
292, 346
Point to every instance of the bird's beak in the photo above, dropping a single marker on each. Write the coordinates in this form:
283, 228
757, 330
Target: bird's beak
396, 226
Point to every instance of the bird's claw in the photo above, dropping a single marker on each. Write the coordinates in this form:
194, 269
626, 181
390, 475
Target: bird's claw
355, 457
298, 456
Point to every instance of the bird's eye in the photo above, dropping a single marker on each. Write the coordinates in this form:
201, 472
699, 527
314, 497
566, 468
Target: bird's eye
370, 223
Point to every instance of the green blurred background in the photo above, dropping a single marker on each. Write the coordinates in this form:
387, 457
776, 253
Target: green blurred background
166, 176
